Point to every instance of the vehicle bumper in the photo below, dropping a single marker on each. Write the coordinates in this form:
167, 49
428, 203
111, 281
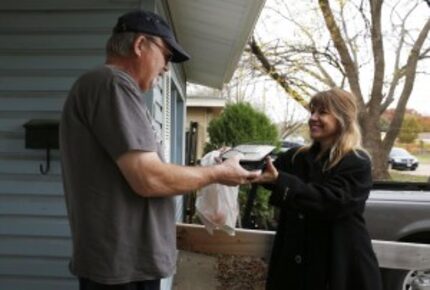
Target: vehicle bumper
404, 166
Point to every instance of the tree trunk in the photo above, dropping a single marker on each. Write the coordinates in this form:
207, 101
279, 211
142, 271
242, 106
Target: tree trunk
373, 143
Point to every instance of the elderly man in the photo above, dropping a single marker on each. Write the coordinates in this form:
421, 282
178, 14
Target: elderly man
119, 192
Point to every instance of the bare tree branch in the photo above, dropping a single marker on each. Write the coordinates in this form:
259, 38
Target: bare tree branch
339, 42
349, 40
288, 128
426, 53
324, 76
411, 66
273, 73
398, 73
327, 79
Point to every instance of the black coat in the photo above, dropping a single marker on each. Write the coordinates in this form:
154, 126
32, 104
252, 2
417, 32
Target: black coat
322, 242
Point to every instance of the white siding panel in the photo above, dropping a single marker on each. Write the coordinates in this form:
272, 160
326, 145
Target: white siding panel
28, 104
32, 267
36, 283
59, 21
32, 205
22, 63
39, 41
16, 166
85, 6
34, 226
13, 122
35, 247
12, 145
36, 83
36, 185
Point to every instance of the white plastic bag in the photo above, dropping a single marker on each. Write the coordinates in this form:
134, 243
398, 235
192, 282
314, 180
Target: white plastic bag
216, 204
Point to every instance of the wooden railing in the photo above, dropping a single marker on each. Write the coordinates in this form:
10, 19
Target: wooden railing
254, 243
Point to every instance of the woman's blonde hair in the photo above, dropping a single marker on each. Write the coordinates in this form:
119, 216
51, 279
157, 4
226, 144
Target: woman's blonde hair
342, 105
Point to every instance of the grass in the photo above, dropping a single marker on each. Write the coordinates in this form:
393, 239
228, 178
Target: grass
402, 177
423, 158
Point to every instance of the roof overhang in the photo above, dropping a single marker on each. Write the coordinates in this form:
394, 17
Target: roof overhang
215, 34
205, 102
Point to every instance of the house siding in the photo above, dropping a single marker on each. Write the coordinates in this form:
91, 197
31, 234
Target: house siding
45, 46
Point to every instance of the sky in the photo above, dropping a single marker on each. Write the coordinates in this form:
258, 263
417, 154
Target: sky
273, 100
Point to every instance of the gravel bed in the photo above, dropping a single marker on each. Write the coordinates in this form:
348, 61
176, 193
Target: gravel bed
240, 273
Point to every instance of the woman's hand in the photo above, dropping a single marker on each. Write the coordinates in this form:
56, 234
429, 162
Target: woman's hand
269, 175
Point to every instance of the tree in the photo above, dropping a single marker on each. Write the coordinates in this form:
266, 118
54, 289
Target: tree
238, 124
347, 39
425, 122
411, 127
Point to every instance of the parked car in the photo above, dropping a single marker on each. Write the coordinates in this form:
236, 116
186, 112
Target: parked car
401, 159
287, 145
400, 212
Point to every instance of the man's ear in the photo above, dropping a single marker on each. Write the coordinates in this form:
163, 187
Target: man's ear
139, 44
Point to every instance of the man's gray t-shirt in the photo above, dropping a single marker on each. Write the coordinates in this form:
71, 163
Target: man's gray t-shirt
118, 236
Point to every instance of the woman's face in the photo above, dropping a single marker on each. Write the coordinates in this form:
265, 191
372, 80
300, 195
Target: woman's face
323, 126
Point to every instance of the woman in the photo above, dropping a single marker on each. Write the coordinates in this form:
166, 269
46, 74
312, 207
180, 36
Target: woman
322, 242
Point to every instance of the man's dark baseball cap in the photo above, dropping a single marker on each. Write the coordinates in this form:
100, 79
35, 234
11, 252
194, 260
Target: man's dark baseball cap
152, 24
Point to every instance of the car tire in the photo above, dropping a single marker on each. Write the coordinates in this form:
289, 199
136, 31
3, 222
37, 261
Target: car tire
393, 279
398, 279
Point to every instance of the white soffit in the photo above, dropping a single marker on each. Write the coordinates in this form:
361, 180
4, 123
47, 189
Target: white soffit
215, 33
205, 102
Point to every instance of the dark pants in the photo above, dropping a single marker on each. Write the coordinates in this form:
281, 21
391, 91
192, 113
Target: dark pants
85, 284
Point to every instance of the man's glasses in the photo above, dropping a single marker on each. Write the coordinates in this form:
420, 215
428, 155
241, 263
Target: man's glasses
163, 48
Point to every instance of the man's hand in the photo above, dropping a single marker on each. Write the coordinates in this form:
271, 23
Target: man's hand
232, 174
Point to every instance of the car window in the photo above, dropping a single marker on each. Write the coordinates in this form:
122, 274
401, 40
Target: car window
291, 143
399, 152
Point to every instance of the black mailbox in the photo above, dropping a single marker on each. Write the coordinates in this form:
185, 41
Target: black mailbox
42, 134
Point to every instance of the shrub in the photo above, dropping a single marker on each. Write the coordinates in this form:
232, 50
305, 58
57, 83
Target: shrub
239, 124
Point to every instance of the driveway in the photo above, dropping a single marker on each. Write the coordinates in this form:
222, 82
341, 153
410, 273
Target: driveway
422, 170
